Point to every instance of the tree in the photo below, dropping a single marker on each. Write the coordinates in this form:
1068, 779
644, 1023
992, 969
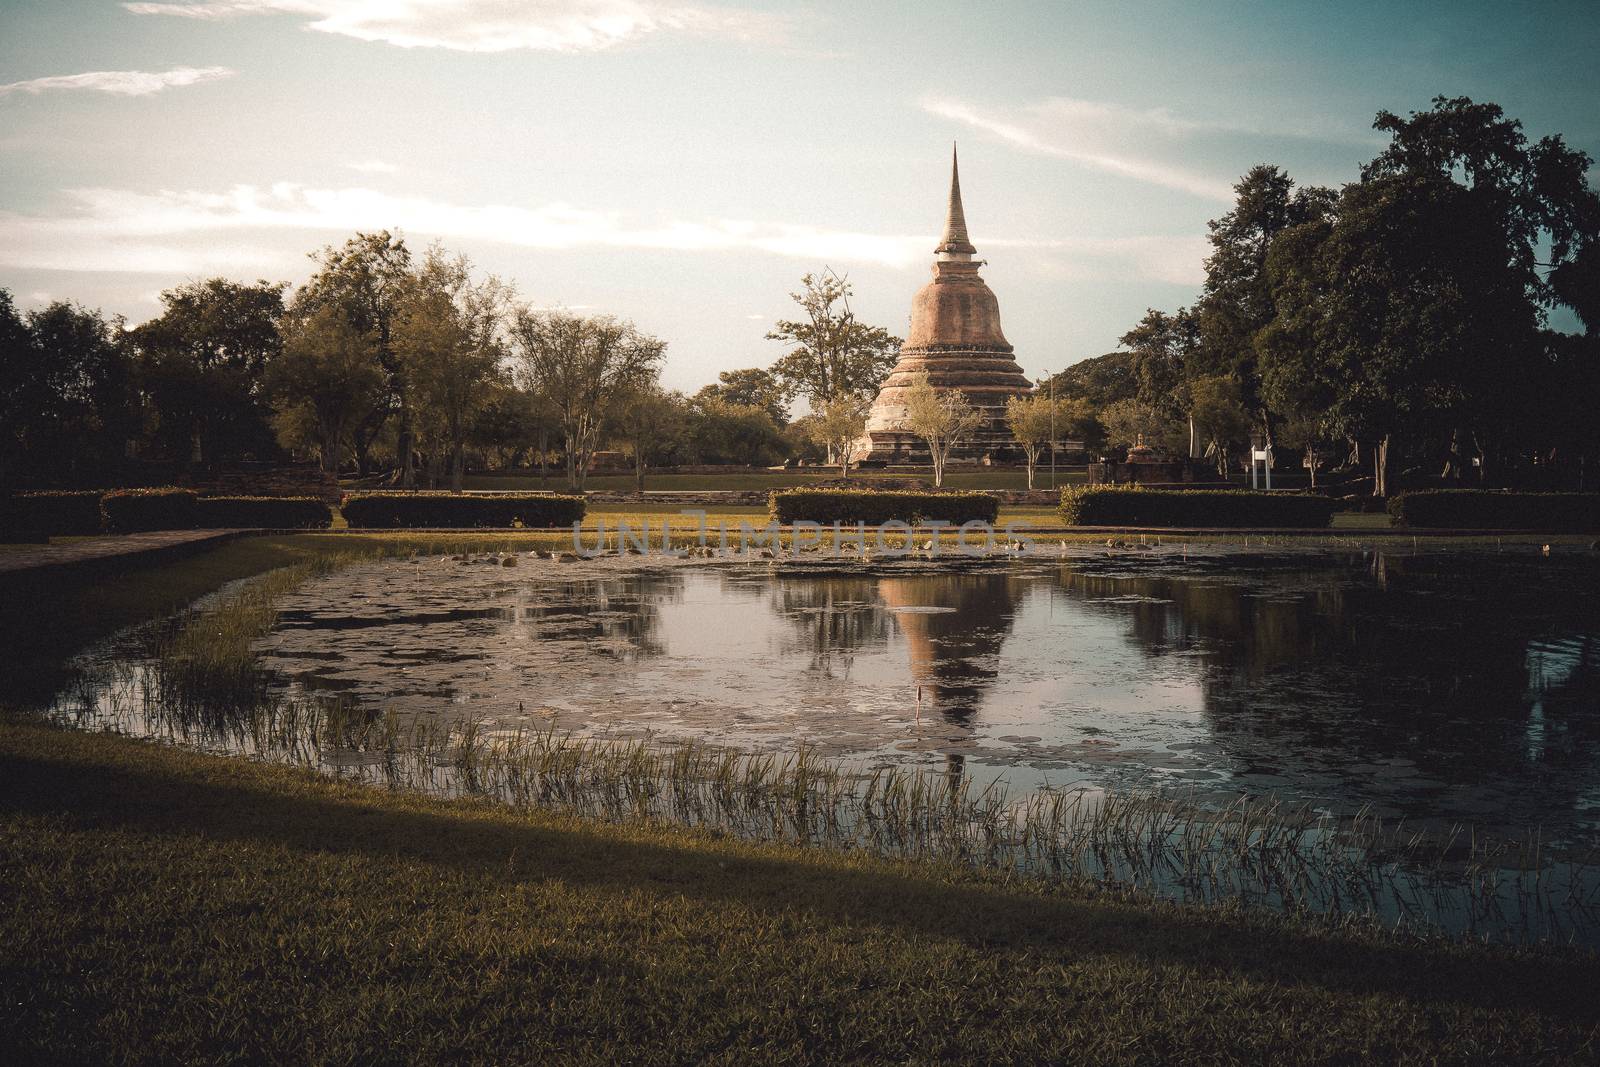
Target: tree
25, 393
839, 427
720, 432
366, 279
1393, 318
752, 387
1537, 200
942, 418
652, 422
1237, 301
580, 364
201, 364
69, 393
1127, 422
1163, 348
1035, 421
327, 379
1218, 415
1100, 380
447, 340
831, 354
505, 427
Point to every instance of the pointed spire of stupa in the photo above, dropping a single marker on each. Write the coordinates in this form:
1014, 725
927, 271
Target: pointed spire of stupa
955, 223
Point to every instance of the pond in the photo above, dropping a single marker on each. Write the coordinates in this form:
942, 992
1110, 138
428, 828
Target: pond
1458, 687
1438, 688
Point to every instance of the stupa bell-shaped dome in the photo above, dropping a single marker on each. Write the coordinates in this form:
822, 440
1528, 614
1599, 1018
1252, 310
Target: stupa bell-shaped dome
956, 340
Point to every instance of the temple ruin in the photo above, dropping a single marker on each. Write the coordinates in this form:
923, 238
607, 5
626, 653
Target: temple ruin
955, 339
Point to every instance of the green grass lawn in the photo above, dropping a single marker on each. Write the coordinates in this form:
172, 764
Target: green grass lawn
164, 906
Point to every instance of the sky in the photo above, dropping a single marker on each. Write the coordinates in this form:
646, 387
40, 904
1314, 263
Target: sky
683, 164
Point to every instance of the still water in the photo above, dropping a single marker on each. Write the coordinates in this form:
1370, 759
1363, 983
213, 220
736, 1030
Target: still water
1458, 687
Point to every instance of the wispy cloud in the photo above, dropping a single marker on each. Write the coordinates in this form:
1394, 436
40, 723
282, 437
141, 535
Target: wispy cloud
113, 229
372, 166
119, 82
491, 25
194, 231
1072, 134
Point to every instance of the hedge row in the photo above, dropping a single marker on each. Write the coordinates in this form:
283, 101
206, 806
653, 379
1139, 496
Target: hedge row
1132, 505
136, 510
877, 506
55, 512
272, 512
460, 511
1476, 509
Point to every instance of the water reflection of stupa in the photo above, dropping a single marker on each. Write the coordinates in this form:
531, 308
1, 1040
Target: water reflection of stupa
954, 654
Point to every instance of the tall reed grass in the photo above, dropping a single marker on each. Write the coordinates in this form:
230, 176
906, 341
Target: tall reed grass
202, 686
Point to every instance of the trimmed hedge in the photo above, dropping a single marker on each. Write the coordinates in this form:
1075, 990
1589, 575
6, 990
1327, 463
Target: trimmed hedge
1132, 505
270, 512
1480, 509
57, 512
133, 510
877, 506
460, 511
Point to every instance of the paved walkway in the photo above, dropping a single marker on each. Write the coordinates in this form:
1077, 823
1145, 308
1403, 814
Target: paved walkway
120, 550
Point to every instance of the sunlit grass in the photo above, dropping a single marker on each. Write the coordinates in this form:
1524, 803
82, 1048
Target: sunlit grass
165, 906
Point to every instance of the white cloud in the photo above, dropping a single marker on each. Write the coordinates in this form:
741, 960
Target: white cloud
490, 25
1088, 135
253, 228
120, 82
373, 166
114, 229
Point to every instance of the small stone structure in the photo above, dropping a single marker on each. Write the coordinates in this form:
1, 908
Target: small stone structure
955, 339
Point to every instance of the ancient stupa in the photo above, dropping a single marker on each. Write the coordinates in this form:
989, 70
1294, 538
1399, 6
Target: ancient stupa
955, 339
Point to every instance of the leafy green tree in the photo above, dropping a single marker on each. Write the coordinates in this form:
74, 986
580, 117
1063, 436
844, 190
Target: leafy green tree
720, 432
325, 382
505, 428
1537, 198
1129, 422
943, 418
831, 353
1390, 315
201, 365
752, 387
447, 336
839, 427
1100, 380
652, 422
73, 396
1037, 422
25, 389
1218, 416
580, 364
366, 278
1237, 301
1163, 348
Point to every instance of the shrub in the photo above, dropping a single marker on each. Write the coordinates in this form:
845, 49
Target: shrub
58, 512
460, 511
1478, 509
132, 510
877, 506
271, 512
1132, 505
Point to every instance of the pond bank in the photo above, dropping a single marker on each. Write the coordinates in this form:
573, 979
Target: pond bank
174, 906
